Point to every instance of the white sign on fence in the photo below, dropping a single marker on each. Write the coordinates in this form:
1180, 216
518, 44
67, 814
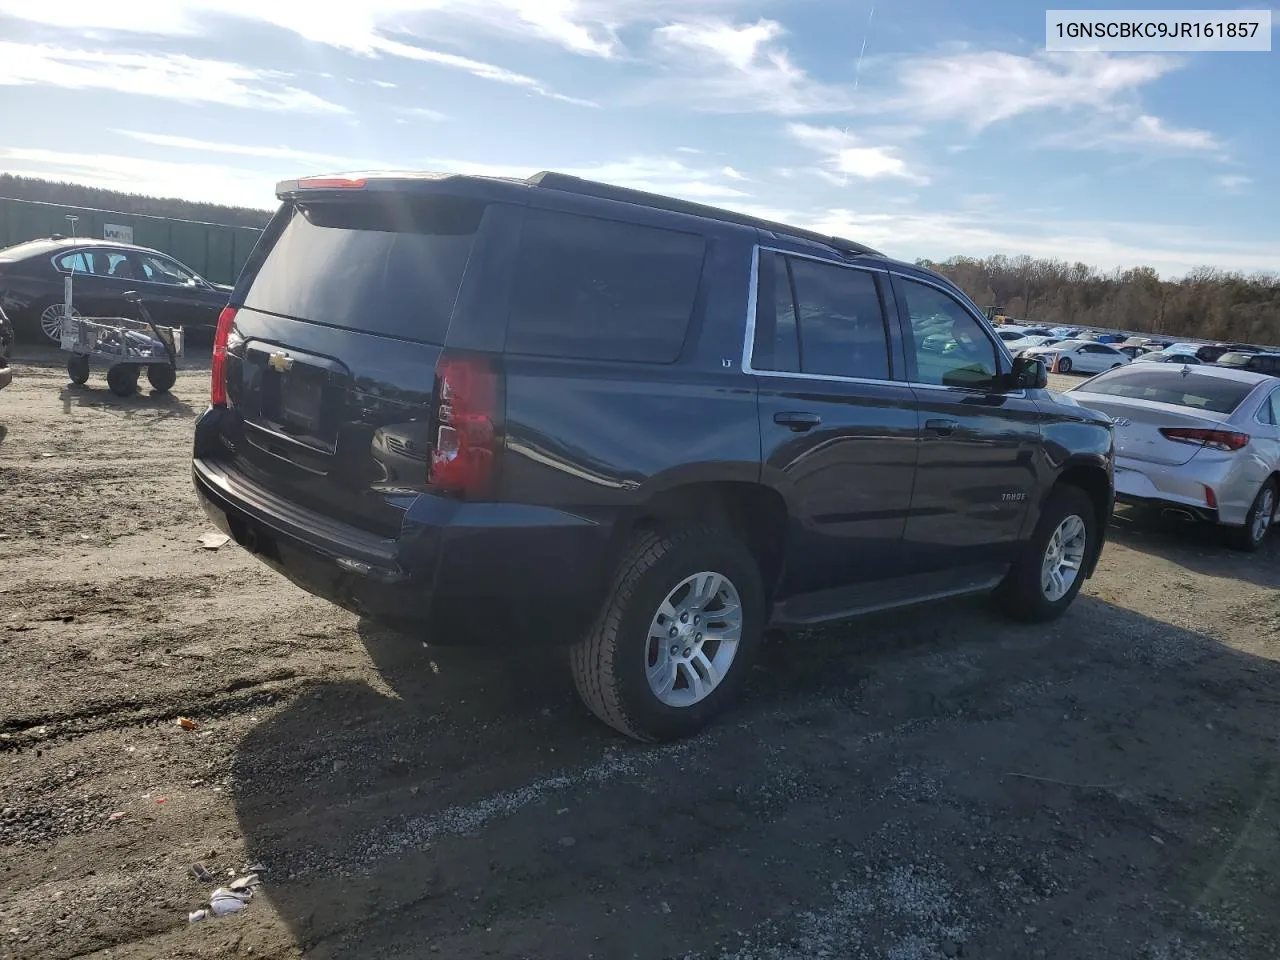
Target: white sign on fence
115, 231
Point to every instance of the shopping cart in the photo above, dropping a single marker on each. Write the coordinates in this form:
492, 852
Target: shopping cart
126, 346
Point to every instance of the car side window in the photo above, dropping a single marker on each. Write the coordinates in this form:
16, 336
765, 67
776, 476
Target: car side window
594, 289
161, 270
951, 348
841, 321
76, 262
1269, 412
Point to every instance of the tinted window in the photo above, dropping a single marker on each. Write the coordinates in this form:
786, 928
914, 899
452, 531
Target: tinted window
951, 347
1269, 412
842, 332
391, 267
777, 344
159, 270
1200, 391
74, 262
601, 290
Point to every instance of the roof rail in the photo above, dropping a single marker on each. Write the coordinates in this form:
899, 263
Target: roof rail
604, 191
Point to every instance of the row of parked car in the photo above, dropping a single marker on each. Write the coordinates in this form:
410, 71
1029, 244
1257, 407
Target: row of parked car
1067, 349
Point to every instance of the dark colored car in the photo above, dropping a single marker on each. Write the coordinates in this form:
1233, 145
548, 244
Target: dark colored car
6, 350
643, 428
1268, 363
32, 275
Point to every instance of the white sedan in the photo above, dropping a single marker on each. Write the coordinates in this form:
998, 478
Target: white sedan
1083, 356
1198, 442
1022, 344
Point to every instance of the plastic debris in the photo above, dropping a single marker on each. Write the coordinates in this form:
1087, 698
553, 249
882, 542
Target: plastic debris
212, 541
201, 873
223, 901
186, 723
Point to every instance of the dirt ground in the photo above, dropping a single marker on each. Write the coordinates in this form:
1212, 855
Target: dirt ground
931, 784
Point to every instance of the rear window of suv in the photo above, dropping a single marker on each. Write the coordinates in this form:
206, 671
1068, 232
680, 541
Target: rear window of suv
391, 265
596, 289
1195, 390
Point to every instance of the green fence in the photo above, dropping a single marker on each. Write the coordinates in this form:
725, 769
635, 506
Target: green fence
213, 250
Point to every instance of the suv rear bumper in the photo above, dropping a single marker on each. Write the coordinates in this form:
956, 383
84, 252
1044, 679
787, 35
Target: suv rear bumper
463, 571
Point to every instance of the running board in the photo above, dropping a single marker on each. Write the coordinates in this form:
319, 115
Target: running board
842, 603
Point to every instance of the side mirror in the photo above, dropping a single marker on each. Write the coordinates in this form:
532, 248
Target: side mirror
1029, 373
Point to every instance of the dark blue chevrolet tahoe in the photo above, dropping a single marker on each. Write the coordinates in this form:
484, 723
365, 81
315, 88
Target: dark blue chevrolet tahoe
646, 429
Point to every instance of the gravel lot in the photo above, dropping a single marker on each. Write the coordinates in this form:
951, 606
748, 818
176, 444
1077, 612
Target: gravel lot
933, 784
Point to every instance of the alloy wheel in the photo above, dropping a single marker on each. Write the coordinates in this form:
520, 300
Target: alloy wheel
693, 639
1063, 558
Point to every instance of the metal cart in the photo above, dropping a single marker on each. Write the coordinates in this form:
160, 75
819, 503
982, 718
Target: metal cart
126, 346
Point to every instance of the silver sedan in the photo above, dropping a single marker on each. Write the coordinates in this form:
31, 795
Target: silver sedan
1199, 442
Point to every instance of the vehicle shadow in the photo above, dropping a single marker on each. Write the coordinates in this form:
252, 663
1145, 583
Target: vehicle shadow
146, 401
1199, 547
1102, 773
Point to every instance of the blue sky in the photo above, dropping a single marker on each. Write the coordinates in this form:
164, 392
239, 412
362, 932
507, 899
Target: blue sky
924, 127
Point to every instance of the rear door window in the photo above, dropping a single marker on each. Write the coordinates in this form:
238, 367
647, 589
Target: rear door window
841, 321
595, 289
389, 265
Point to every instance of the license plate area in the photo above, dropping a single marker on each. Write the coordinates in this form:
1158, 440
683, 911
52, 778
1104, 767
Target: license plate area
300, 404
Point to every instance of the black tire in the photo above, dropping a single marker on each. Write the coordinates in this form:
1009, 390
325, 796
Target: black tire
78, 369
608, 664
1064, 364
123, 380
1248, 538
162, 377
1021, 595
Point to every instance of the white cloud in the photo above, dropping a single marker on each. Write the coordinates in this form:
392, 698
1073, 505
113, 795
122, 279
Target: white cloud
171, 76
1171, 249
357, 28
326, 160
844, 156
1233, 182
1153, 130
211, 182
1146, 133
980, 88
655, 174
723, 67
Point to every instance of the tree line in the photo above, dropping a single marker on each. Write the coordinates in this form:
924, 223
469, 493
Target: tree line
1207, 303
76, 195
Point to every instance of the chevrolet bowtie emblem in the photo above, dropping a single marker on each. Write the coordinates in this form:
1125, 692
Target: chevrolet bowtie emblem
279, 362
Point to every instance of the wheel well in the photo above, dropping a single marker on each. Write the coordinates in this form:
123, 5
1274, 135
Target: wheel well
754, 513
1093, 481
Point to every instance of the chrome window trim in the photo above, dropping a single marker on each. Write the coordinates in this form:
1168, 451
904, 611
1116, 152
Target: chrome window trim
748, 345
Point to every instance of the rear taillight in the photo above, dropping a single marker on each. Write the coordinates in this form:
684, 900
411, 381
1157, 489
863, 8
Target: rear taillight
468, 433
1216, 439
218, 389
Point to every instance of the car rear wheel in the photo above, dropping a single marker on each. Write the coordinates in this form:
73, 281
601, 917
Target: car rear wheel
1050, 571
676, 638
50, 320
1064, 364
1258, 521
